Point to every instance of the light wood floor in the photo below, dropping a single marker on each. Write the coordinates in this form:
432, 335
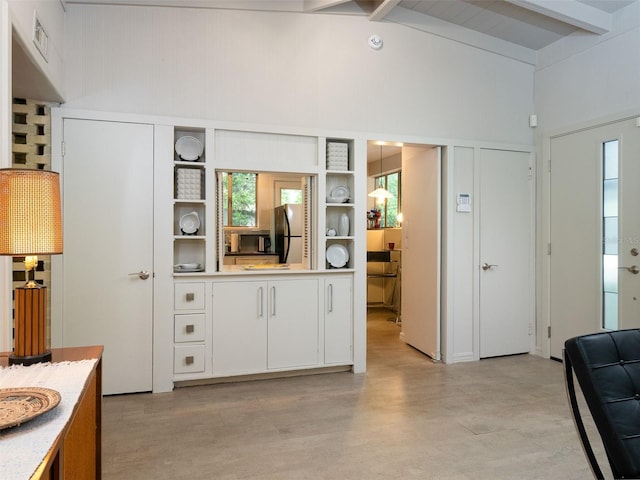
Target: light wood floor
406, 418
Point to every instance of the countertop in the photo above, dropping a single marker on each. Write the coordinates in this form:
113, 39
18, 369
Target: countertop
236, 254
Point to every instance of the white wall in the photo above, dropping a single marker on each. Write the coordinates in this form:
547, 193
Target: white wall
292, 69
305, 71
6, 302
584, 78
461, 276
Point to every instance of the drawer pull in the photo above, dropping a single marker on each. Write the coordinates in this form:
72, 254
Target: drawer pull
190, 297
190, 328
188, 360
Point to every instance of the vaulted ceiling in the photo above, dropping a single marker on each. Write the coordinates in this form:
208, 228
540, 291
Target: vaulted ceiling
515, 28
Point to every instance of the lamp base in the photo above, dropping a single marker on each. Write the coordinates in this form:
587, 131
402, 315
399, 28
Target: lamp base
30, 359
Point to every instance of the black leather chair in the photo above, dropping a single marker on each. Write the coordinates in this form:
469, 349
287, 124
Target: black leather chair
607, 367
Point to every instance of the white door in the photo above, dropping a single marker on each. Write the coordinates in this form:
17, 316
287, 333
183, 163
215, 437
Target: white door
506, 275
421, 248
593, 241
107, 176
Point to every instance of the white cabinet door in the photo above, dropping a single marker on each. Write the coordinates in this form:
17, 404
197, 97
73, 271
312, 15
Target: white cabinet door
239, 327
261, 325
107, 176
293, 323
338, 327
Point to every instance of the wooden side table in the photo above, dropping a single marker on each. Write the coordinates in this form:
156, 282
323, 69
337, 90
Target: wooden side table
77, 451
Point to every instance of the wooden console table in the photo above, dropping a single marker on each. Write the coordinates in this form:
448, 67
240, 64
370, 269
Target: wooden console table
76, 453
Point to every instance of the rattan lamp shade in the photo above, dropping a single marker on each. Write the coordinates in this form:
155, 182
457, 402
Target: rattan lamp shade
30, 214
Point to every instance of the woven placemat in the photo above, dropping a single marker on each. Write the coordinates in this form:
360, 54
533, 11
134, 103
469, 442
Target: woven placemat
19, 405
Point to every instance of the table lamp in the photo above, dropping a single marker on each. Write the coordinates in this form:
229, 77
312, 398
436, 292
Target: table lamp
30, 225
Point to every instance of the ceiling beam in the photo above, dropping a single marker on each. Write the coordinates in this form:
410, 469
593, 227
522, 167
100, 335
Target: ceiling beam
571, 12
317, 5
382, 9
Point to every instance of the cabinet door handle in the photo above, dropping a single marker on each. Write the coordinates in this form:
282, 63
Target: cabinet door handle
273, 301
188, 360
330, 297
260, 303
190, 328
190, 297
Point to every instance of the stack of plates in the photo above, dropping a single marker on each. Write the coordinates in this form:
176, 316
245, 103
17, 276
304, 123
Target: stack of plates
337, 156
188, 267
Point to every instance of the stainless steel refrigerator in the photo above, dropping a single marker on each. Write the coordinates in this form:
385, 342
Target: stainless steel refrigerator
288, 233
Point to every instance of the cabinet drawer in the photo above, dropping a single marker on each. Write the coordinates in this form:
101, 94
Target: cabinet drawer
189, 296
189, 328
188, 358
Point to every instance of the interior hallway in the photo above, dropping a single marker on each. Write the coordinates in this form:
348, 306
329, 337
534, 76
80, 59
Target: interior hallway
407, 417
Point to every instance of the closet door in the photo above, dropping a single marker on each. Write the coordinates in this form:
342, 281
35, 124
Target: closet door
107, 179
505, 269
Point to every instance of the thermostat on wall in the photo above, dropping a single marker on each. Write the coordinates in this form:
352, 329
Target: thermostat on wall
463, 202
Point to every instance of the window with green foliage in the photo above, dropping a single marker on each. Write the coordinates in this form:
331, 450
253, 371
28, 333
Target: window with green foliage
239, 192
290, 195
389, 207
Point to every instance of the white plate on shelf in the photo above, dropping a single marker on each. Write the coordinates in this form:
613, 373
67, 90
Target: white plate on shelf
338, 199
341, 194
337, 255
190, 223
188, 267
189, 148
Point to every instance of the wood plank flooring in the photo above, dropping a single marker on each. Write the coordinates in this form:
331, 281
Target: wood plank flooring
407, 417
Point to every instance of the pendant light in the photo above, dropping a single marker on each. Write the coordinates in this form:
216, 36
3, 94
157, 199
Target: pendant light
380, 193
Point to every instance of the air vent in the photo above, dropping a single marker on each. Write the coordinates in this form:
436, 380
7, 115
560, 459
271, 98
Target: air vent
40, 38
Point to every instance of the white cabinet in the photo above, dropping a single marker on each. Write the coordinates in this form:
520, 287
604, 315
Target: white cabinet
265, 324
338, 315
189, 329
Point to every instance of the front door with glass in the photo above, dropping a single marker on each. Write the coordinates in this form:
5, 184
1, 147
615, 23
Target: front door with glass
594, 232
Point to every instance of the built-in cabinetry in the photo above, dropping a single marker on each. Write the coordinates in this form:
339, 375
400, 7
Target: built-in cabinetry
190, 329
203, 312
190, 205
339, 202
268, 322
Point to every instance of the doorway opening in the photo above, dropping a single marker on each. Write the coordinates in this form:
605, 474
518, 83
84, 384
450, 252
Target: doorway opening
403, 270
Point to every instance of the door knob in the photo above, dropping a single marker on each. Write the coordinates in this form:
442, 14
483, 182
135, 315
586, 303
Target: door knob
633, 269
143, 274
487, 266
